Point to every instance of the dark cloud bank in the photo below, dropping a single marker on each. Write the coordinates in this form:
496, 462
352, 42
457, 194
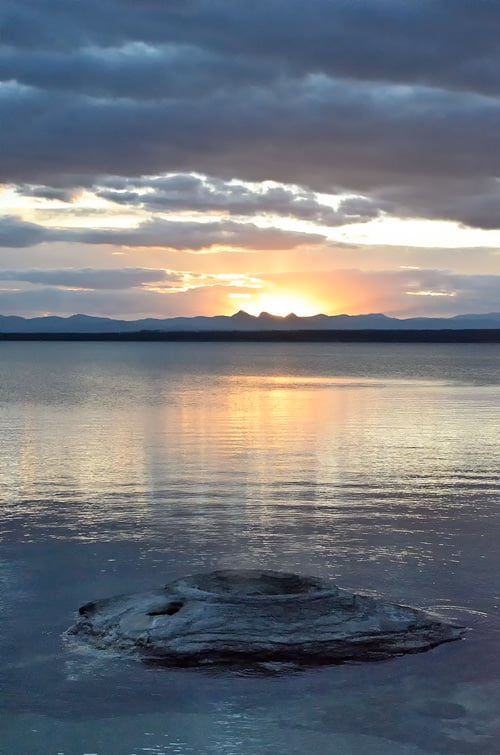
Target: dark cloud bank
395, 100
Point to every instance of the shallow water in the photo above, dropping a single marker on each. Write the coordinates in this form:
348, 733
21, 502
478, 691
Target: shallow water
126, 465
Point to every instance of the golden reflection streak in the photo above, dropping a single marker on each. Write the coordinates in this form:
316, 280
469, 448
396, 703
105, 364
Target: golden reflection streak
256, 431
75, 454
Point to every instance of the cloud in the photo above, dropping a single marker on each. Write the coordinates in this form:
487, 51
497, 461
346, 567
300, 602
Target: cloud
93, 279
200, 235
49, 192
208, 194
427, 42
320, 132
471, 202
362, 96
18, 233
133, 70
14, 232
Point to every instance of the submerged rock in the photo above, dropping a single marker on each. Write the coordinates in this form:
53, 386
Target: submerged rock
241, 616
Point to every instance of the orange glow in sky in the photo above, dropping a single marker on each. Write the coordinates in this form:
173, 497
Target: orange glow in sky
263, 269
280, 304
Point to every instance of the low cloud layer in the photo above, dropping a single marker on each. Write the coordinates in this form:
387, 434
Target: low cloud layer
92, 279
135, 293
15, 232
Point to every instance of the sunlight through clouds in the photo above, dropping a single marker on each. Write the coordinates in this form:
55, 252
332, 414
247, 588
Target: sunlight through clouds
149, 136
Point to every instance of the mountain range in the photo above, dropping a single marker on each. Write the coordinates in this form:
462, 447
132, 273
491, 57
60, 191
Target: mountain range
242, 321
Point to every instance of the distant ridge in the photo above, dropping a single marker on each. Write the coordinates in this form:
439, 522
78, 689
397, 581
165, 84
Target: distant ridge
243, 322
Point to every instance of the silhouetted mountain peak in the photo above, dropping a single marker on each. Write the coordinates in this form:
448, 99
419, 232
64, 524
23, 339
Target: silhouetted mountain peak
242, 315
245, 322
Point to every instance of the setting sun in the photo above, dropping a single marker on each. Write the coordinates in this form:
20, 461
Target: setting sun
280, 304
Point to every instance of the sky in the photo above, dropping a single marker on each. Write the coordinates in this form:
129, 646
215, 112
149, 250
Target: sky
198, 157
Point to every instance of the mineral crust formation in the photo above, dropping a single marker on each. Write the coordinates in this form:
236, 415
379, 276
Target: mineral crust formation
253, 616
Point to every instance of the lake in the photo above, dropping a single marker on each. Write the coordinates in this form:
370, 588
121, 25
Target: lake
126, 465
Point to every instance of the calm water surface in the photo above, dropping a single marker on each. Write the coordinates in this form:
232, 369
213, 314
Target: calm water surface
123, 466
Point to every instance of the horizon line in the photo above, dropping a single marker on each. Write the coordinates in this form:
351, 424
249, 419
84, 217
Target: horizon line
261, 314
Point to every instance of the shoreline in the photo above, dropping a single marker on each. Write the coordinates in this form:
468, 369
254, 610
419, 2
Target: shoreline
275, 336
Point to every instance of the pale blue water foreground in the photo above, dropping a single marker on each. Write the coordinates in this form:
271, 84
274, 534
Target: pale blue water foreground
124, 466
